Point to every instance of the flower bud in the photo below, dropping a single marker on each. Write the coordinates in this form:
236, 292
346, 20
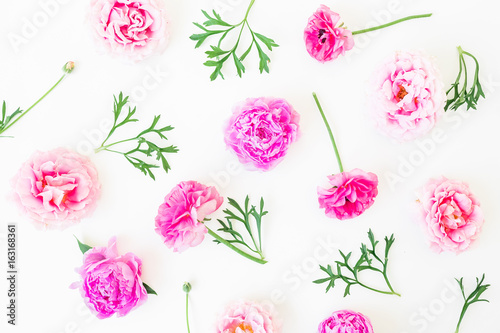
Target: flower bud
68, 67
186, 287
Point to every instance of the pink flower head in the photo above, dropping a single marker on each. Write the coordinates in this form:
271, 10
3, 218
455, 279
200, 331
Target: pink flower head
451, 214
261, 130
408, 96
325, 38
246, 317
57, 188
132, 29
179, 216
346, 321
111, 283
350, 194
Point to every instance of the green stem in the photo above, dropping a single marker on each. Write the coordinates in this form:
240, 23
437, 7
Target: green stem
248, 10
187, 312
357, 32
462, 314
102, 147
392, 292
234, 248
332, 139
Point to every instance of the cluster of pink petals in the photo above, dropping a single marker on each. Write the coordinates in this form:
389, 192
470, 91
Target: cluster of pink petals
346, 321
407, 96
261, 130
57, 188
180, 216
131, 29
324, 37
349, 194
452, 215
246, 317
111, 283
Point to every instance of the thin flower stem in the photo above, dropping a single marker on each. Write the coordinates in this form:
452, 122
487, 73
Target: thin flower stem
187, 312
357, 32
102, 147
332, 139
248, 10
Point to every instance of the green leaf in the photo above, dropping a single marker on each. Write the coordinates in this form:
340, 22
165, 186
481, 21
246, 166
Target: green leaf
239, 66
83, 247
149, 290
215, 52
264, 60
267, 41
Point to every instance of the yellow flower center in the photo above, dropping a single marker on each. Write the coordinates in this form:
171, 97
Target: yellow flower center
244, 327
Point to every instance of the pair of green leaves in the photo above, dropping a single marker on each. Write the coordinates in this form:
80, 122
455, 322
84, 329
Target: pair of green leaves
7, 120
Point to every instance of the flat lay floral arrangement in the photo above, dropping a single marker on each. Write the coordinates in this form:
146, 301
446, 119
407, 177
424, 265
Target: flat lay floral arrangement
239, 226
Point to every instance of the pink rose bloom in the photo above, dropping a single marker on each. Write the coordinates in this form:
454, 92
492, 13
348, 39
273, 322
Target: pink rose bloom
246, 317
346, 321
179, 217
325, 38
451, 214
350, 194
130, 29
57, 188
408, 96
261, 130
111, 283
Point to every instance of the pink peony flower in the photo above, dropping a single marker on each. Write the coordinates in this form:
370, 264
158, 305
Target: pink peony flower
346, 321
325, 38
451, 214
261, 130
350, 194
408, 96
111, 283
246, 317
132, 29
178, 219
57, 188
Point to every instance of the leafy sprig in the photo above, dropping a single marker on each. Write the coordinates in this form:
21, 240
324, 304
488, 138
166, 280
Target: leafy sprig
369, 260
462, 95
144, 146
243, 216
217, 55
472, 298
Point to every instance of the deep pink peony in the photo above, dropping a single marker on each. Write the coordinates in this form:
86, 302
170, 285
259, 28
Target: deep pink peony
407, 96
178, 219
346, 321
324, 37
246, 317
350, 194
111, 283
451, 214
132, 29
57, 188
261, 130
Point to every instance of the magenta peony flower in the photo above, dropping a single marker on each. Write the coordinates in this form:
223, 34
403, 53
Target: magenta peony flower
408, 96
451, 214
178, 219
350, 194
246, 317
57, 188
346, 321
131, 29
325, 38
111, 283
261, 130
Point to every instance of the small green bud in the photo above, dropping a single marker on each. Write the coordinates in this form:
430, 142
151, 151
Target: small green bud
68, 67
186, 287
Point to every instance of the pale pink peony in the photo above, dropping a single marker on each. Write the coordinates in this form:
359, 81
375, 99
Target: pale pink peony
131, 29
451, 214
179, 219
111, 283
407, 96
246, 317
324, 37
57, 188
349, 194
346, 321
261, 130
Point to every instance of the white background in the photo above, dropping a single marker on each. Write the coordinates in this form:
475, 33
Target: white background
295, 227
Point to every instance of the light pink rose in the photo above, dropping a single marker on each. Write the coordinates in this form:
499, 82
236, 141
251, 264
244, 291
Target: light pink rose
407, 96
179, 218
246, 317
451, 214
261, 130
131, 29
324, 37
349, 194
57, 188
111, 283
346, 321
